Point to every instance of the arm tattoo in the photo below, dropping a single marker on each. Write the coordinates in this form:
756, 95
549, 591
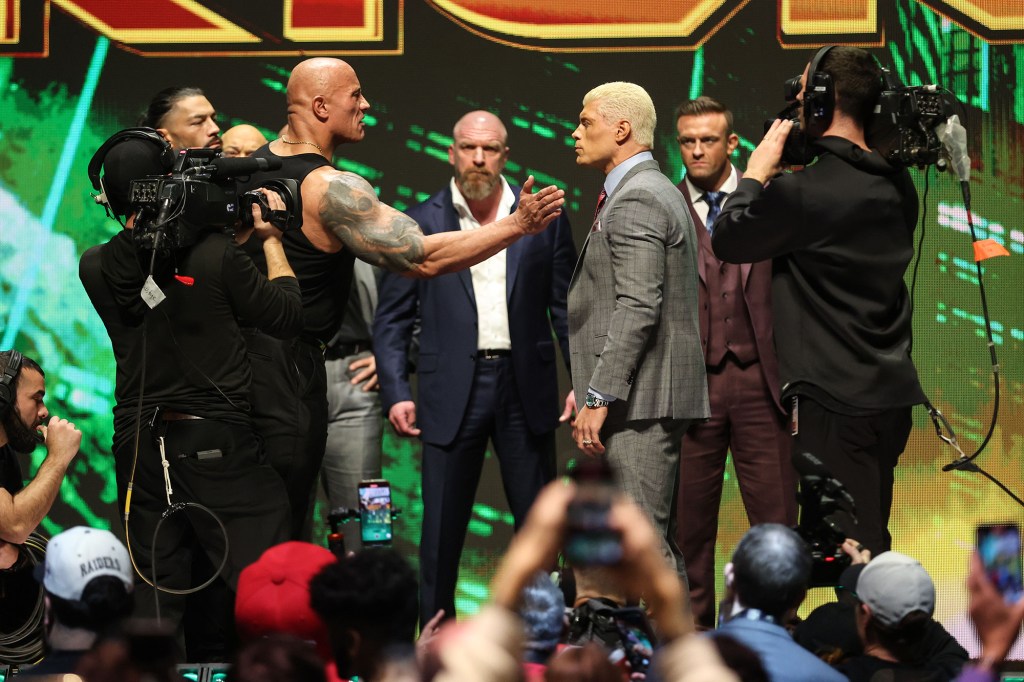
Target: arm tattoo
374, 231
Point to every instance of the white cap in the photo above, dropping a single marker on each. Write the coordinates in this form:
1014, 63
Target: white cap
78, 555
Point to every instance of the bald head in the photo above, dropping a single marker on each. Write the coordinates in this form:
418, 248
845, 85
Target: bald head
242, 140
325, 102
317, 76
481, 121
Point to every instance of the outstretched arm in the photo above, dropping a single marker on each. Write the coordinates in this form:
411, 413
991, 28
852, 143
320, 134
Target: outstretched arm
384, 236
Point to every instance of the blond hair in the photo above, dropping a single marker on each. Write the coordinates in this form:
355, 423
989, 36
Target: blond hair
621, 101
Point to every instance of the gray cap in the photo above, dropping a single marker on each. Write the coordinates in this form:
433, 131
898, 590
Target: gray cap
895, 585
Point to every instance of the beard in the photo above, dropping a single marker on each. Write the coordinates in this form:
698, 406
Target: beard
476, 185
20, 437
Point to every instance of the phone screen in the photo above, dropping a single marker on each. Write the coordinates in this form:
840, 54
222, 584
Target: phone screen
375, 512
999, 548
589, 539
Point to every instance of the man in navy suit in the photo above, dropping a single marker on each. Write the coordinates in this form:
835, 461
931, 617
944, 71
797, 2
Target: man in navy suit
486, 366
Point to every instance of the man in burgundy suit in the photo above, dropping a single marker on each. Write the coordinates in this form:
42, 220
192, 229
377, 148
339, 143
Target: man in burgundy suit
743, 379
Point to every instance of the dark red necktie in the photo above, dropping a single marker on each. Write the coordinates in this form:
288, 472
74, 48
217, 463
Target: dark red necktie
600, 202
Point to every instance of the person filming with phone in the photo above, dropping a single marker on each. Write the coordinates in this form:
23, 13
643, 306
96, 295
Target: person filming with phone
25, 423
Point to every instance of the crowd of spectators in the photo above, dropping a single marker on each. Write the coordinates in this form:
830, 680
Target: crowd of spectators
304, 614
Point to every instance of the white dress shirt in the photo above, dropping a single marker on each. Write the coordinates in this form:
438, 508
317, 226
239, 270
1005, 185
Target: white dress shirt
488, 276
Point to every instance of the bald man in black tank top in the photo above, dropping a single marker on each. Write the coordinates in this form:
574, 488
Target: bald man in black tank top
342, 219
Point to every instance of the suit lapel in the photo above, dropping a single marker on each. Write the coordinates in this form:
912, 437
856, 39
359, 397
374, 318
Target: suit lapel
586, 242
745, 267
451, 224
513, 255
684, 189
642, 166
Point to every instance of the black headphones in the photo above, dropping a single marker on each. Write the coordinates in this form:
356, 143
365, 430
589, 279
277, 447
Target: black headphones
7, 397
167, 157
819, 97
167, 154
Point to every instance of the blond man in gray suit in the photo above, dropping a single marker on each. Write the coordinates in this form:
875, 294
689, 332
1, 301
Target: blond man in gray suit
634, 336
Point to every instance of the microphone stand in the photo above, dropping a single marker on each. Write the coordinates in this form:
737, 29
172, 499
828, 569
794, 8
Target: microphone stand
956, 146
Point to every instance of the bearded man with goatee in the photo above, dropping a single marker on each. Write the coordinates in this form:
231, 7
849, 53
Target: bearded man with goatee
23, 426
486, 355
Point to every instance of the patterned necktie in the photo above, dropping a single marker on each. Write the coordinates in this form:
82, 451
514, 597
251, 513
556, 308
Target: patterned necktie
714, 200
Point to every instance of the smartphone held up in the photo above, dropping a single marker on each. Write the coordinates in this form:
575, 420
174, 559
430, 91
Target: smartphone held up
590, 540
1000, 551
375, 512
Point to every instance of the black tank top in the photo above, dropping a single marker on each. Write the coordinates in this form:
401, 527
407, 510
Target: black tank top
325, 278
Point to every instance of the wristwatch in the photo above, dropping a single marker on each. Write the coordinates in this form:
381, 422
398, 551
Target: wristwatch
593, 402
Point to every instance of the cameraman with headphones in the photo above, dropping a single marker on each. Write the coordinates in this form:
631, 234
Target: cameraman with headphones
187, 459
841, 236
22, 414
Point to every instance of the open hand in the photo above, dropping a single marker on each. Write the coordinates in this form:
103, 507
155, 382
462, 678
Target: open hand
537, 210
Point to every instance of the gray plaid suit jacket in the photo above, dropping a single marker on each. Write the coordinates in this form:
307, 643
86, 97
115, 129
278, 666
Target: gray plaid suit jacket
633, 324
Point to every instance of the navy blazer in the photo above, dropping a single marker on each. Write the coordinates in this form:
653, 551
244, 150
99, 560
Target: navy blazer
538, 270
783, 659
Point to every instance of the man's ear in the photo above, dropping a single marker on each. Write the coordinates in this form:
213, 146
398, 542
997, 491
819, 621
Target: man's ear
164, 133
731, 142
623, 131
345, 648
353, 641
320, 107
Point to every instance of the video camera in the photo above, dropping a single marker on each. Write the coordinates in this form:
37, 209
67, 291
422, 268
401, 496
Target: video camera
201, 193
903, 128
826, 508
905, 124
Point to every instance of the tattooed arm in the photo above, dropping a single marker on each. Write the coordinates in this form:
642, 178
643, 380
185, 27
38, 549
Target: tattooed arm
381, 235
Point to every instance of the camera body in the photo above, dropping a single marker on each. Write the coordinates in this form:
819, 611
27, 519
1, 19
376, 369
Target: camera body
827, 518
201, 193
902, 126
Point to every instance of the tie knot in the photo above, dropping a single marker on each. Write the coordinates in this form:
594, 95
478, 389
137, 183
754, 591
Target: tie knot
713, 199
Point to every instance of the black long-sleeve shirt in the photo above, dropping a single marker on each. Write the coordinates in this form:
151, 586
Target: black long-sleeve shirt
194, 355
841, 236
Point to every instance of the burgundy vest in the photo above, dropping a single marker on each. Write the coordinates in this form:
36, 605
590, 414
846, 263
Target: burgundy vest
730, 328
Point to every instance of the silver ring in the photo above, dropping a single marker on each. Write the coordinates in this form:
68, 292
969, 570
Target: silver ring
587, 442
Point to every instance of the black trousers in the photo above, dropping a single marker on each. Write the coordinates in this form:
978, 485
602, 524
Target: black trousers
289, 413
861, 452
237, 485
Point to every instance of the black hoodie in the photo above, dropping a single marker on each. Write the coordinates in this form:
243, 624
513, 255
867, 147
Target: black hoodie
841, 236
194, 356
